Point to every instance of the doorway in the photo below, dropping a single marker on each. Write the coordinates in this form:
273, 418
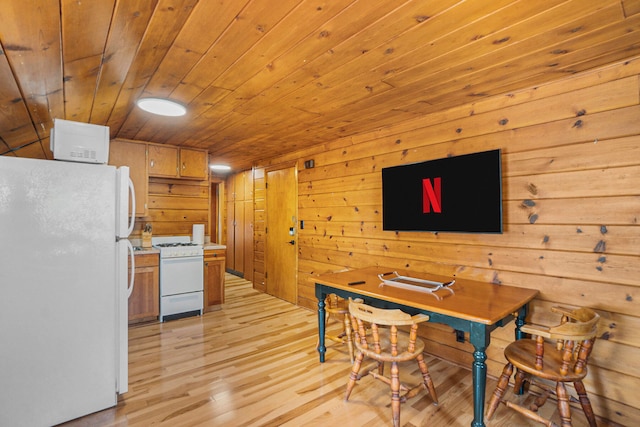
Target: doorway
281, 245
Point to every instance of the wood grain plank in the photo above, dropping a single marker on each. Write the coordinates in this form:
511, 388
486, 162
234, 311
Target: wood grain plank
179, 188
338, 45
428, 92
189, 46
261, 16
17, 129
556, 57
183, 56
584, 238
517, 35
130, 19
32, 47
171, 202
163, 27
84, 30
382, 57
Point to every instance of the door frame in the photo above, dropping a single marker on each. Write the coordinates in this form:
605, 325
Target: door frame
285, 165
215, 214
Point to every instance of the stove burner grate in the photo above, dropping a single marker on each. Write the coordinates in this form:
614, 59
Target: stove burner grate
174, 245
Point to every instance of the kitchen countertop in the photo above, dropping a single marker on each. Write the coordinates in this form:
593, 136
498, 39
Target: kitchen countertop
211, 246
137, 250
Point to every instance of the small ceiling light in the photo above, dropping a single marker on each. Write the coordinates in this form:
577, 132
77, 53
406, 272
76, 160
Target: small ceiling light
162, 107
220, 168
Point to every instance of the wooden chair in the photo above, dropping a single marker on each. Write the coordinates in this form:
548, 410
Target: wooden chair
338, 308
560, 362
377, 337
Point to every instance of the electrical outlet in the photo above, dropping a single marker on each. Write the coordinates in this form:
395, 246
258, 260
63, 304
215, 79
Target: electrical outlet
459, 336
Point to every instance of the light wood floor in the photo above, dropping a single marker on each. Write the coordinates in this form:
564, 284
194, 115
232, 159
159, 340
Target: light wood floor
254, 363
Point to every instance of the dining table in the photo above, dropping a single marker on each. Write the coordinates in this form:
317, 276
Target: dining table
468, 306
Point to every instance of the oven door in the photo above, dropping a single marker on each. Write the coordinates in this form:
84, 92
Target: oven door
181, 275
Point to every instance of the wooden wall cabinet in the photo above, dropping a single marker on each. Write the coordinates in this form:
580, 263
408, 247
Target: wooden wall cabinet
144, 302
163, 160
193, 164
174, 162
134, 155
213, 279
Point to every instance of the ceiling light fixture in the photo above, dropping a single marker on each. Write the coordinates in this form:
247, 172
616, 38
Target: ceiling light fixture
220, 168
162, 107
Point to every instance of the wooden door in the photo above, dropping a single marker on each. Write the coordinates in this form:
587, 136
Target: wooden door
281, 251
248, 241
231, 247
238, 237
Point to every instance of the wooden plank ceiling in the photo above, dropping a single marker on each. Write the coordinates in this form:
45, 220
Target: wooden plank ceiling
264, 77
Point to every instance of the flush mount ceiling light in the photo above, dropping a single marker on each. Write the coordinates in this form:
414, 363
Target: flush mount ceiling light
220, 168
162, 107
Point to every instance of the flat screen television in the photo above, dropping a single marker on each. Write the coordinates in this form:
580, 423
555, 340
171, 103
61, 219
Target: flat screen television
461, 194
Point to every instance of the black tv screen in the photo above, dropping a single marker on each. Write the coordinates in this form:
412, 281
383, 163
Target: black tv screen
454, 194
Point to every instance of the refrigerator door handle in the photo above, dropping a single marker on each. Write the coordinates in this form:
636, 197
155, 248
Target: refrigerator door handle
124, 257
125, 211
133, 214
133, 269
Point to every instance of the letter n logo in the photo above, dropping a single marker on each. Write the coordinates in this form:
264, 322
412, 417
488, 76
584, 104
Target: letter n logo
431, 195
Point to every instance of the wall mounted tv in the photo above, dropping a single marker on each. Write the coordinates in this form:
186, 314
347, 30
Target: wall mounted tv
460, 194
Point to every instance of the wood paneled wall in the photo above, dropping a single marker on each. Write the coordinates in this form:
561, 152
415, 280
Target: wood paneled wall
175, 205
571, 190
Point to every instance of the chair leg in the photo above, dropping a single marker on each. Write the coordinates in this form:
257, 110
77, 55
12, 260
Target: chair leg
347, 329
354, 376
395, 394
428, 382
519, 380
498, 393
563, 405
585, 403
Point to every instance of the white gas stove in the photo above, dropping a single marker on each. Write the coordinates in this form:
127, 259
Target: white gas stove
181, 277
175, 250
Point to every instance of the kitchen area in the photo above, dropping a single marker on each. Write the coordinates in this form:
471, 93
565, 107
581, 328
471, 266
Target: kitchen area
176, 277
126, 228
179, 267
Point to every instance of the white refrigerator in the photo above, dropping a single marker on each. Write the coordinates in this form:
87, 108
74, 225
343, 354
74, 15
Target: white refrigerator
63, 289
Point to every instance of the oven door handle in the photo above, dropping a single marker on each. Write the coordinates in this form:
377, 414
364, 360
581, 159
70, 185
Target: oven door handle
179, 259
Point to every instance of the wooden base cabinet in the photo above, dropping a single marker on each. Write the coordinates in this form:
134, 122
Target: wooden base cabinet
213, 279
144, 302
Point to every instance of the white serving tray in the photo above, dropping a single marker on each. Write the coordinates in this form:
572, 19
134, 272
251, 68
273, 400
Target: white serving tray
415, 284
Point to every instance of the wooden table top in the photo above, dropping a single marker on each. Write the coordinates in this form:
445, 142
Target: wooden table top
475, 301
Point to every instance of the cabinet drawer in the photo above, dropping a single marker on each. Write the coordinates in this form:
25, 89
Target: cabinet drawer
147, 260
215, 253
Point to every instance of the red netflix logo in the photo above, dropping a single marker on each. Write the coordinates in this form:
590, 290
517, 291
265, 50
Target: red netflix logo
432, 195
